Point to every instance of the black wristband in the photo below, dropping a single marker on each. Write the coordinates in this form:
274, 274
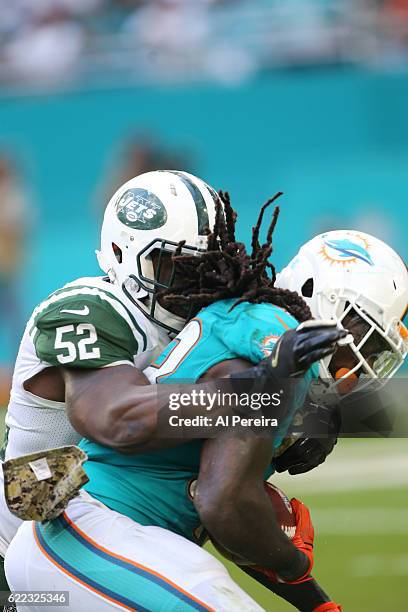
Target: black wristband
304, 596
298, 568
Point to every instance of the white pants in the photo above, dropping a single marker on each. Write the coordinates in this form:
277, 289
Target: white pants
107, 561
8, 522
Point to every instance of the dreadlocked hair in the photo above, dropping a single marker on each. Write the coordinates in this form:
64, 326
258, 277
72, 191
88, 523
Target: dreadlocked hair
225, 270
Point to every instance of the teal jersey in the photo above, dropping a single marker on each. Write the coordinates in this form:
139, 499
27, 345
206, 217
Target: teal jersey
153, 488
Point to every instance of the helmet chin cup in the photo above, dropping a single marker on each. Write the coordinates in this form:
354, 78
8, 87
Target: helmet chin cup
134, 288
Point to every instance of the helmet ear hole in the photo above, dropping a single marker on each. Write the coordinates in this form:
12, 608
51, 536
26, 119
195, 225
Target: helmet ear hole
395, 286
307, 288
118, 252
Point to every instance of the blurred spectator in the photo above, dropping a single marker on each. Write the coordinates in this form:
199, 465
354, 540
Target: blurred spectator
46, 49
171, 26
397, 8
13, 224
395, 26
138, 155
189, 39
169, 40
170, 32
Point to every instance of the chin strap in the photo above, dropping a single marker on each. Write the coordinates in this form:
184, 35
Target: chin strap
161, 317
166, 317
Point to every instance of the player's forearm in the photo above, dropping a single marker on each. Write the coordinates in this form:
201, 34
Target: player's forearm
231, 523
158, 416
235, 508
305, 596
124, 412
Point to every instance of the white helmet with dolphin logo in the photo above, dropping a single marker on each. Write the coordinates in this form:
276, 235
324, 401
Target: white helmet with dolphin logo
350, 276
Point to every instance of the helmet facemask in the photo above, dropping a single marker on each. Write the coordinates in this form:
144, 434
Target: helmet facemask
369, 353
154, 273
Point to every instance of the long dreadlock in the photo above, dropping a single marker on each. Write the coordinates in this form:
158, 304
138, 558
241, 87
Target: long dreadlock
225, 270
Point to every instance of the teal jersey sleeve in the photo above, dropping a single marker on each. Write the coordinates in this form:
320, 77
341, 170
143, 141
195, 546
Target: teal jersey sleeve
220, 332
251, 333
251, 330
83, 331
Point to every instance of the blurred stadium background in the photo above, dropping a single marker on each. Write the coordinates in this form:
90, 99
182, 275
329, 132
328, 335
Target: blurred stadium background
306, 96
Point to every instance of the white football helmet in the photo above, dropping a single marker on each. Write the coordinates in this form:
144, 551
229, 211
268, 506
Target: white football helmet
346, 274
154, 212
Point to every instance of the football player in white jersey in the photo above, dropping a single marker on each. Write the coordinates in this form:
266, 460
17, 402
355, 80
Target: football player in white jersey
74, 352
93, 324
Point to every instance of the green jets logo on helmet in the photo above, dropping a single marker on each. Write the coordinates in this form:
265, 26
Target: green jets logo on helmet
141, 209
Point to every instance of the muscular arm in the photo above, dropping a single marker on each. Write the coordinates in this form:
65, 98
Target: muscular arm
234, 507
118, 407
115, 406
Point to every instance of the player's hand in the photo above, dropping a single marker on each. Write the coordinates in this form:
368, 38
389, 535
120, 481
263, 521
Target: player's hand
304, 455
330, 606
304, 534
297, 349
308, 452
303, 540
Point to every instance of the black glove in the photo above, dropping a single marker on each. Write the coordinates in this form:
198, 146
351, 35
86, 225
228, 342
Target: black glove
307, 453
297, 349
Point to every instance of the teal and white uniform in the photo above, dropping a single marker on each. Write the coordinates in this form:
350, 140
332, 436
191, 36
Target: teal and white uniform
153, 488
120, 543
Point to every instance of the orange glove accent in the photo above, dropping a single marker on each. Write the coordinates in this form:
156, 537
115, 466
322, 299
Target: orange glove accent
304, 535
328, 607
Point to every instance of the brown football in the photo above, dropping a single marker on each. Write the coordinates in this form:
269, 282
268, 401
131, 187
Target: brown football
283, 509
284, 516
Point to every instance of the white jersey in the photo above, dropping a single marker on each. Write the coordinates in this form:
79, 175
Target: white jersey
88, 323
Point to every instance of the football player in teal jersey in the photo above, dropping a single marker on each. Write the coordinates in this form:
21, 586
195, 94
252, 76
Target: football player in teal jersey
132, 497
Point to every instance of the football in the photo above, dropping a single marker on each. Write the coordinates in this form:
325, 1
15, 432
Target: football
283, 509
284, 515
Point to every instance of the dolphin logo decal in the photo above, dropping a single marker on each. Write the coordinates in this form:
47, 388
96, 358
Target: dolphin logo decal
347, 248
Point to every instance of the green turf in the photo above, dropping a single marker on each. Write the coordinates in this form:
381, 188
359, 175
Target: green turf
364, 572
361, 544
361, 536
